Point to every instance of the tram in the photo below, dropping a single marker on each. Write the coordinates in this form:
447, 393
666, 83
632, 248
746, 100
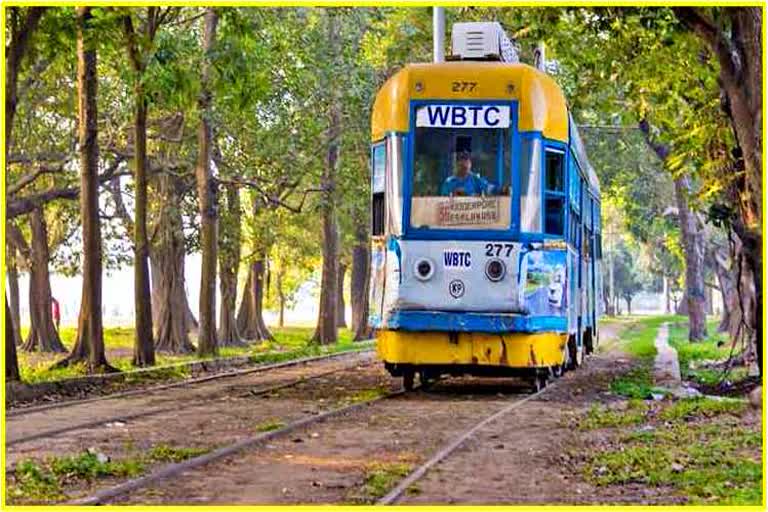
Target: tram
486, 231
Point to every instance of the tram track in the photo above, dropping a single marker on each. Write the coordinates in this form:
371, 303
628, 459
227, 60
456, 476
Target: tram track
171, 470
161, 410
449, 448
444, 397
20, 411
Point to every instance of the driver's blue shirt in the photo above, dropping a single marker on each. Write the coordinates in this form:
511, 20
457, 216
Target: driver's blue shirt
472, 185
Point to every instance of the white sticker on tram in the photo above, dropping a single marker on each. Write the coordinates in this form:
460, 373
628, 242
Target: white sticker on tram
463, 116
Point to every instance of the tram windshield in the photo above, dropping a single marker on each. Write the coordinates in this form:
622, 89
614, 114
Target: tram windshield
461, 178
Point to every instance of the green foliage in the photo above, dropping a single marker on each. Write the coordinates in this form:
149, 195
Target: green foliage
269, 425
167, 453
380, 477
699, 447
45, 481
716, 348
639, 339
604, 417
637, 383
691, 408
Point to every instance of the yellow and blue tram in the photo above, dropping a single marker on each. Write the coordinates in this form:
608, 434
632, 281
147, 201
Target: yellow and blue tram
486, 227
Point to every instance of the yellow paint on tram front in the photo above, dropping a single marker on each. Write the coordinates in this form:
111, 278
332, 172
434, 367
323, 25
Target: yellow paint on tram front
541, 102
517, 350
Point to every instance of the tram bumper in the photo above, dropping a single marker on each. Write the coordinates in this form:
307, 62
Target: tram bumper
510, 350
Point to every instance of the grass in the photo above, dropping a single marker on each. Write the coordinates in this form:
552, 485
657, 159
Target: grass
290, 343
638, 341
269, 425
603, 417
45, 481
699, 447
380, 477
715, 348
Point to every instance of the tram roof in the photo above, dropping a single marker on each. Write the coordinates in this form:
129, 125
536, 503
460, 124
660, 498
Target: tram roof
542, 106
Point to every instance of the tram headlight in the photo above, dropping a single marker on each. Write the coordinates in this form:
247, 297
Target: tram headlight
424, 269
495, 270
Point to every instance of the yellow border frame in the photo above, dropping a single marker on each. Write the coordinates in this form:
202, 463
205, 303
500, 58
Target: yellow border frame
327, 3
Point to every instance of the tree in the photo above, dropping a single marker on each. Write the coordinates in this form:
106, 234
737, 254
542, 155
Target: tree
20, 30
736, 40
89, 343
229, 261
692, 241
144, 347
43, 335
11, 361
327, 330
206, 193
629, 278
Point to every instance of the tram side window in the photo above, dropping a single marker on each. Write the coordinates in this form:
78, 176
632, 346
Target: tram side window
554, 193
378, 167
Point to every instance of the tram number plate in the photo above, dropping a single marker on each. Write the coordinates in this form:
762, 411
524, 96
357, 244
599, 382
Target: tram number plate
463, 86
498, 249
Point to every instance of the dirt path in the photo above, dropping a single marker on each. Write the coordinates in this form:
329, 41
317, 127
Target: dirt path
331, 462
520, 459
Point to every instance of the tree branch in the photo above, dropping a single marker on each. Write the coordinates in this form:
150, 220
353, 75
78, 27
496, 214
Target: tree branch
27, 179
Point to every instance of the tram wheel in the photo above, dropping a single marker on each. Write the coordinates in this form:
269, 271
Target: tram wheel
408, 375
588, 342
573, 353
426, 378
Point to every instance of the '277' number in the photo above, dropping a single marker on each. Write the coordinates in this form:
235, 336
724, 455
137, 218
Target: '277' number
497, 248
463, 86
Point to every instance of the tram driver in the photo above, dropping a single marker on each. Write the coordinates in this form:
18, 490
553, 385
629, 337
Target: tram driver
464, 182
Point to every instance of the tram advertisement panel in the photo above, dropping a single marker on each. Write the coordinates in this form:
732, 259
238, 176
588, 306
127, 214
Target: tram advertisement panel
546, 289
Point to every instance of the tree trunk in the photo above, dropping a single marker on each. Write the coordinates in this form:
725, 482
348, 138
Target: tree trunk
281, 299
341, 306
730, 321
170, 307
229, 263
13, 290
709, 300
173, 319
144, 345
89, 344
327, 332
629, 305
207, 344
250, 317
693, 247
667, 297
361, 266
43, 335
11, 361
681, 307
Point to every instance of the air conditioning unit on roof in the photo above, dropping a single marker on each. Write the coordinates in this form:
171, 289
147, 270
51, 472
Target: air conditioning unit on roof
482, 41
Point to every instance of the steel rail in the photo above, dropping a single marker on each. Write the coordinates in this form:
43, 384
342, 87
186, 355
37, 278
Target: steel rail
12, 413
395, 494
174, 469
160, 410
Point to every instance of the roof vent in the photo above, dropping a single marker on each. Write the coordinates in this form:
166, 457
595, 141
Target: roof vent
482, 41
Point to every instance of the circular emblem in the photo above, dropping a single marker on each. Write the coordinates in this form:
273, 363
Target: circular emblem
456, 288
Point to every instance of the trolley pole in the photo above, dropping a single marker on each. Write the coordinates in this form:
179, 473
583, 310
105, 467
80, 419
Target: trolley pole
438, 33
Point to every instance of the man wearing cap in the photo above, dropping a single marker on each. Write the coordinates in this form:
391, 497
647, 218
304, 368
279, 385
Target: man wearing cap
463, 182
